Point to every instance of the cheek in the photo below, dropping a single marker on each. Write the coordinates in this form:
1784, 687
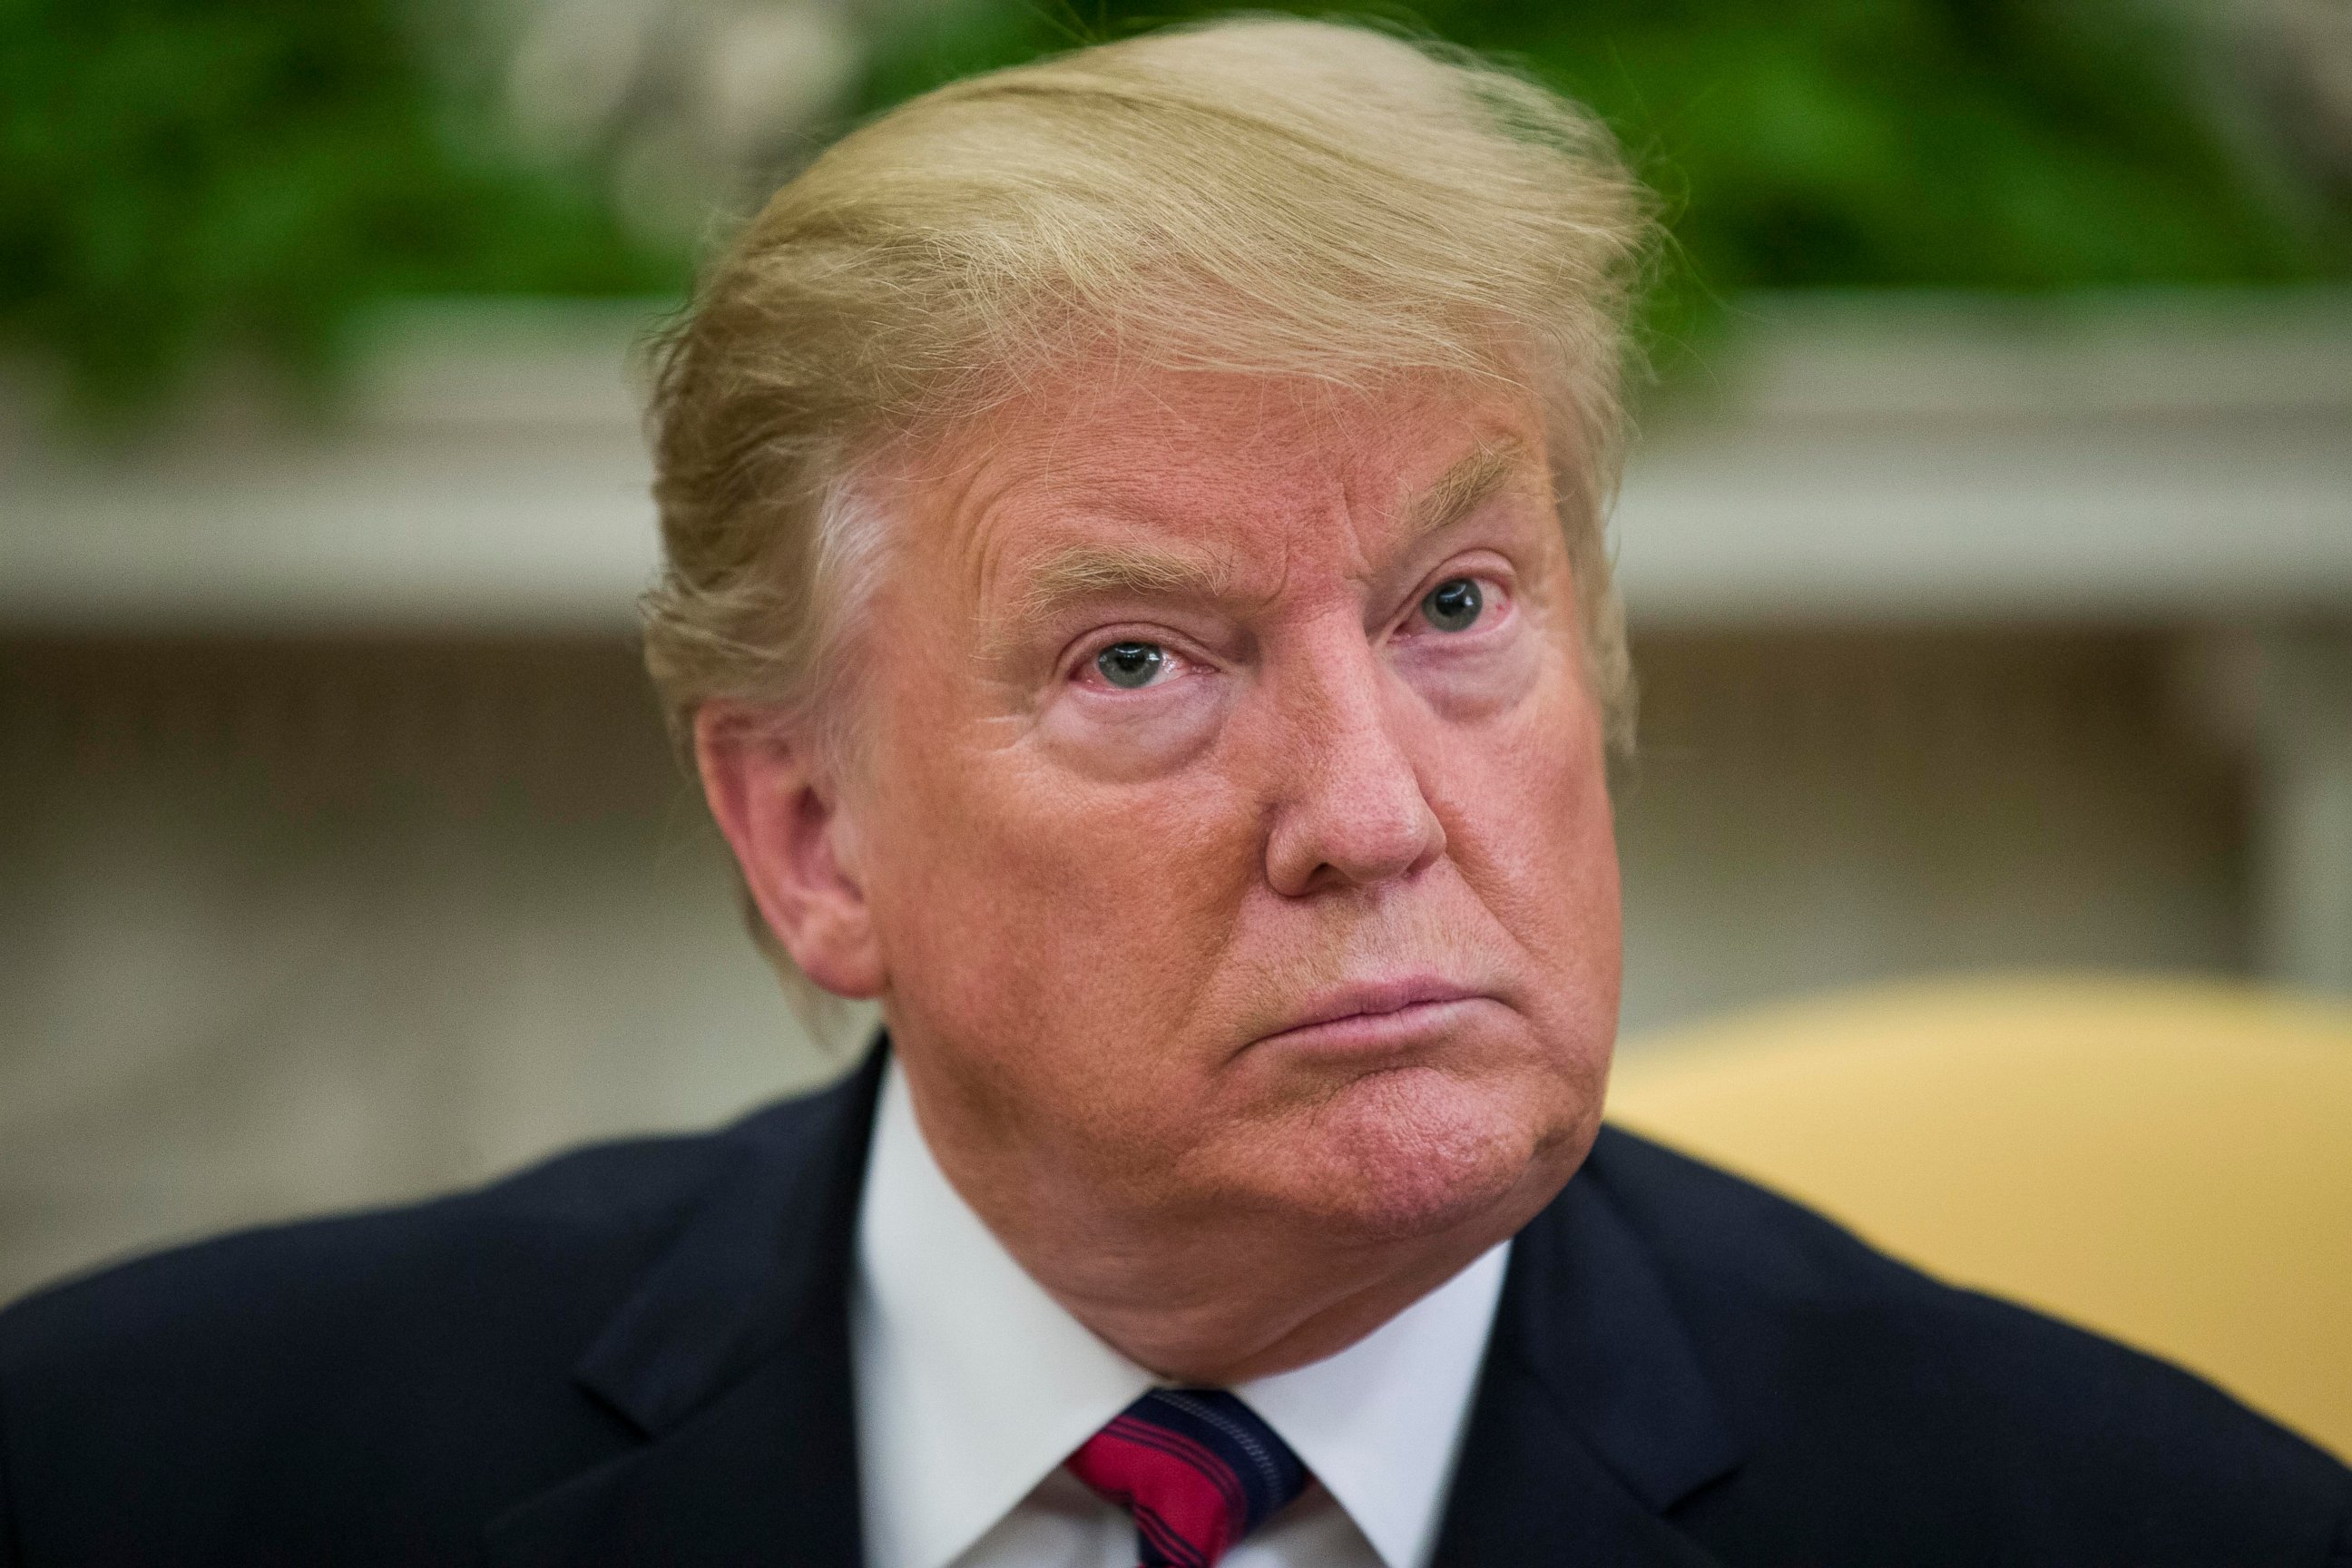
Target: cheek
1529, 824
1478, 682
1038, 915
1133, 738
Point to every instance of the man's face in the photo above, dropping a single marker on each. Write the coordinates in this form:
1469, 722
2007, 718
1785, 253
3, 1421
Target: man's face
1234, 826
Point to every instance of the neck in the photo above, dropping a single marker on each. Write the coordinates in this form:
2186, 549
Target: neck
1215, 1297
1245, 1334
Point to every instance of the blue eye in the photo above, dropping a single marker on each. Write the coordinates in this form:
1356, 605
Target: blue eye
1453, 604
1130, 664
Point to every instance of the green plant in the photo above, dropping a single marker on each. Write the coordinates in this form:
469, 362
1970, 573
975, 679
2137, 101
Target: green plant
179, 178
2004, 144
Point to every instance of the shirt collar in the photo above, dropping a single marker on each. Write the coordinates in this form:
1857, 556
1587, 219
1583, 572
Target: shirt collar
973, 1384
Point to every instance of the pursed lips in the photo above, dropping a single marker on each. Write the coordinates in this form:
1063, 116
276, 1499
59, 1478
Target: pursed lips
1375, 1013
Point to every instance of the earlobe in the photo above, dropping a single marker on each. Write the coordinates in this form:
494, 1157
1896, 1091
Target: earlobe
781, 814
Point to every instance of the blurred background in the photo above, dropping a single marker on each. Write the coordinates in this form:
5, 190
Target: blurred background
1988, 545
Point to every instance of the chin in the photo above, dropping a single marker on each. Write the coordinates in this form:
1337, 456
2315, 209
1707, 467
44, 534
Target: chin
1415, 1152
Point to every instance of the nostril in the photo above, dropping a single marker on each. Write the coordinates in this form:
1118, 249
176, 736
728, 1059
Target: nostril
1350, 806
1357, 830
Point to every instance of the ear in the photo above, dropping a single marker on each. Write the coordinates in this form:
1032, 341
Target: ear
781, 816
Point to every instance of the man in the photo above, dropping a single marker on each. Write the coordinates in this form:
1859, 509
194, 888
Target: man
1136, 600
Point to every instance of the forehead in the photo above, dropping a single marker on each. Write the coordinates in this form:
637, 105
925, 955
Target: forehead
1225, 463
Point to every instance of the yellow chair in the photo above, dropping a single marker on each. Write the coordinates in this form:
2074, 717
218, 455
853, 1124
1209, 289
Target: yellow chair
2167, 1161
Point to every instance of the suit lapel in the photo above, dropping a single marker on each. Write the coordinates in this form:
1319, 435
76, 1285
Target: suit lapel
1531, 1493
767, 1474
732, 1360
1593, 1415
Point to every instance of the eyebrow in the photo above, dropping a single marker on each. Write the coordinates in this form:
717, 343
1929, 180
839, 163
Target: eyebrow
1473, 480
1100, 571
1081, 571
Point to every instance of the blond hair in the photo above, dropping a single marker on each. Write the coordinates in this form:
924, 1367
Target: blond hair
1275, 196
1270, 196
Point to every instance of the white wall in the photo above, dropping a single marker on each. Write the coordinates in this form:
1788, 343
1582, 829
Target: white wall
341, 858
287, 926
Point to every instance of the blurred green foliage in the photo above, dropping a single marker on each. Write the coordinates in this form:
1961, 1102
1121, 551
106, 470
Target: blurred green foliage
179, 177
2000, 144
182, 176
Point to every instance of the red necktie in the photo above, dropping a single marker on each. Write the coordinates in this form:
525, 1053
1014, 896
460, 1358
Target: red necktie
1197, 1469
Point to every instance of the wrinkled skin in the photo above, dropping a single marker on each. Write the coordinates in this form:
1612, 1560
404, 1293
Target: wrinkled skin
1096, 913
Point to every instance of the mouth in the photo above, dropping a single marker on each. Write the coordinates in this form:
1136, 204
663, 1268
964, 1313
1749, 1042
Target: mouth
1378, 1015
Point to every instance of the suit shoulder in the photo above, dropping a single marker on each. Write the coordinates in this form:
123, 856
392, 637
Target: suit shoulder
1706, 1224
388, 1378
601, 1200
1839, 1361
525, 1267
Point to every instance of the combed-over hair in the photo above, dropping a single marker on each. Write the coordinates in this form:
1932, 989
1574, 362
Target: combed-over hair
1269, 196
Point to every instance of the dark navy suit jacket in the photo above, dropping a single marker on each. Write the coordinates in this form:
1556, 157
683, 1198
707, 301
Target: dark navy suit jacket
639, 1354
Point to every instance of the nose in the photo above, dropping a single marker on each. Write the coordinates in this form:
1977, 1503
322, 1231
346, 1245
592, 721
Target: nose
1350, 809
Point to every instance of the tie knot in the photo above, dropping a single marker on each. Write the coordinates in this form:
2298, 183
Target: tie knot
1197, 1469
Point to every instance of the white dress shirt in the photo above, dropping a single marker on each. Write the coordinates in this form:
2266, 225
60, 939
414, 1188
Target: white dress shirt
974, 1385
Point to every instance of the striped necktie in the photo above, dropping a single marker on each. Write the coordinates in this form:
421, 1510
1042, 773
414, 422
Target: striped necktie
1197, 1469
